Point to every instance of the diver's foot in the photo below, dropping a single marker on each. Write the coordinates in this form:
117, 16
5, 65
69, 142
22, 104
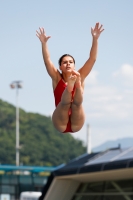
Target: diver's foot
71, 82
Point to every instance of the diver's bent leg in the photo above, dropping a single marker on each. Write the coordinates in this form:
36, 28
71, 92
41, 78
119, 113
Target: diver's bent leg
61, 114
78, 115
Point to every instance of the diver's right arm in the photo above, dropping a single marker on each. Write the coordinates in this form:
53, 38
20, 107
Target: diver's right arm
52, 71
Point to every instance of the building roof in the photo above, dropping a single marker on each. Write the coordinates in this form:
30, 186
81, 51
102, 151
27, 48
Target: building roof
115, 158
111, 159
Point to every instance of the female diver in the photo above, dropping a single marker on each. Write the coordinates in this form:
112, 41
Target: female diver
68, 85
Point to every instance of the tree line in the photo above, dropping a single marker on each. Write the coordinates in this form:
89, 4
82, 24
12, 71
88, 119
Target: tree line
40, 143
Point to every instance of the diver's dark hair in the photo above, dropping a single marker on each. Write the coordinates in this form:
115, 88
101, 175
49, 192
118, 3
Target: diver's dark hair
60, 60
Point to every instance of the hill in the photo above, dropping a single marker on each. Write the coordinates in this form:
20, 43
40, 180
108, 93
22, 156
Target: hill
41, 144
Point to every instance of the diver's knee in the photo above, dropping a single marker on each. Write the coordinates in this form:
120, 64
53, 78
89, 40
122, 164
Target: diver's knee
77, 103
76, 128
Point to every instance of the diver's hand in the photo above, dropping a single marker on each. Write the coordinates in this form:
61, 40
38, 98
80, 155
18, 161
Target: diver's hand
42, 35
97, 30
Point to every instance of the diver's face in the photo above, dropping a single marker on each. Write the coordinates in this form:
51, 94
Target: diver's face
67, 64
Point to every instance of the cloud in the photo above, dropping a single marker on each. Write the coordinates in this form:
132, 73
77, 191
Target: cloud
109, 102
103, 102
92, 78
125, 74
126, 71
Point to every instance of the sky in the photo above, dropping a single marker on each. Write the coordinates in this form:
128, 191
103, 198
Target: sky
108, 93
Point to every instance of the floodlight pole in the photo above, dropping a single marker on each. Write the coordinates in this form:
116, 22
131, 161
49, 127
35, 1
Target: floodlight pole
88, 139
17, 128
17, 85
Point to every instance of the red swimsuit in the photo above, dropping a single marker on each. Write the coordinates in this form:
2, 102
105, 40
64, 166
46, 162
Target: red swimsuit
57, 94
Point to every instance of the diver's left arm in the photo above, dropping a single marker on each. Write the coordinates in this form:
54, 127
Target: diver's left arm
85, 70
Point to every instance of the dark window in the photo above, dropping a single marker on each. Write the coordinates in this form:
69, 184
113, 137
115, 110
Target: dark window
108, 190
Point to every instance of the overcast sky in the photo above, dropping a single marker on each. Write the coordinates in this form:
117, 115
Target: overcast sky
108, 94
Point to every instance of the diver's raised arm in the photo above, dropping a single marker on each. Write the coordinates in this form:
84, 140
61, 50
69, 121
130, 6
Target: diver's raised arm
52, 71
85, 70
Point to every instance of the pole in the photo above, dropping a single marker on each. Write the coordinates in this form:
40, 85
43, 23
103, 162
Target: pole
88, 139
17, 85
17, 127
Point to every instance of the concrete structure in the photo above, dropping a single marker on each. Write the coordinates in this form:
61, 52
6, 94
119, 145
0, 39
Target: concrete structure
100, 176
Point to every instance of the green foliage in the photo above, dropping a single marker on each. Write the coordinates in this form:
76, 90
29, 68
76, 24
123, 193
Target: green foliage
41, 144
